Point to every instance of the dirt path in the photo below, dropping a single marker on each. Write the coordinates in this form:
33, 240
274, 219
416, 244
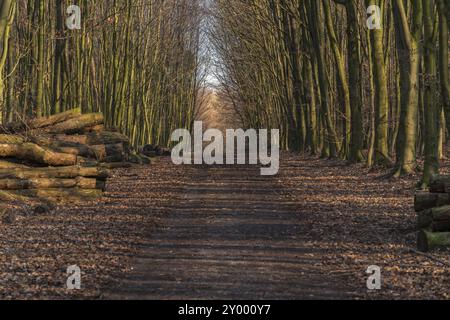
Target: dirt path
230, 234
309, 233
166, 232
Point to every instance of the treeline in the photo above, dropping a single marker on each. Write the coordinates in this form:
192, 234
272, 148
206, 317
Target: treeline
332, 85
137, 61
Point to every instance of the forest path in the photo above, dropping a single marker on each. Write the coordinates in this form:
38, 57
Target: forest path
229, 233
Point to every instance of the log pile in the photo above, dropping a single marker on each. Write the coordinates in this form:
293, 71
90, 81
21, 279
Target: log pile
60, 158
433, 215
155, 151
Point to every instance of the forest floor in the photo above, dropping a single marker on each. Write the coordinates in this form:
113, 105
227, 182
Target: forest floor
166, 232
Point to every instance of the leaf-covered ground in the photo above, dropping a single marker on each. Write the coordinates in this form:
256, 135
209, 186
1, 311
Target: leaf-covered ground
359, 217
366, 219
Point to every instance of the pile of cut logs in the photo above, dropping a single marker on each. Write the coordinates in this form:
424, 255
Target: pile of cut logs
433, 215
60, 158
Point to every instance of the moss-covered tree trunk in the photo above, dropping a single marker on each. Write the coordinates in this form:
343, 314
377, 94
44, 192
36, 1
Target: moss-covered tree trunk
354, 70
381, 90
408, 48
430, 93
7, 12
443, 58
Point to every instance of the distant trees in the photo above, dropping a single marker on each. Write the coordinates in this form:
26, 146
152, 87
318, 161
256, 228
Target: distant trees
137, 61
366, 94
311, 68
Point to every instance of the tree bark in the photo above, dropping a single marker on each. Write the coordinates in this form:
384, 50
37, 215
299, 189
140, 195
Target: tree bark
108, 152
70, 172
50, 183
408, 49
431, 166
76, 125
52, 195
429, 240
92, 138
426, 200
35, 153
381, 151
41, 122
11, 165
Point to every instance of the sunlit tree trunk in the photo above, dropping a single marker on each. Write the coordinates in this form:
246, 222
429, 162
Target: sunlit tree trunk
408, 47
381, 91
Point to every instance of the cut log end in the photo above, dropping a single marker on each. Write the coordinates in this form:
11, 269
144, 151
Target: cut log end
427, 241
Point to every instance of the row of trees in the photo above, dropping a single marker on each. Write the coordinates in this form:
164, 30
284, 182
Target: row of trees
137, 61
332, 85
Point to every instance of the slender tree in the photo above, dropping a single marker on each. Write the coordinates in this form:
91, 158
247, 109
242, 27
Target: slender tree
408, 47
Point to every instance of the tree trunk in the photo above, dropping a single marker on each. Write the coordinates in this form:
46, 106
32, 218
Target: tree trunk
354, 61
58, 65
439, 184
92, 138
317, 32
7, 12
428, 240
108, 152
76, 125
430, 81
443, 60
52, 195
408, 48
343, 84
38, 123
11, 139
381, 93
40, 107
35, 153
50, 183
11, 165
425, 200
70, 172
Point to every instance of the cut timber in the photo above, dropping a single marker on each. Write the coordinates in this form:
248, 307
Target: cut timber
9, 196
11, 139
425, 200
42, 122
93, 139
425, 221
77, 149
108, 152
11, 165
116, 165
430, 240
76, 125
437, 218
155, 151
139, 159
63, 172
441, 213
81, 151
52, 195
97, 128
45, 183
440, 226
35, 153
62, 194
440, 184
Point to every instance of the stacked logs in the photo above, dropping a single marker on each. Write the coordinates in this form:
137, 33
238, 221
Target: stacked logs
433, 215
59, 158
